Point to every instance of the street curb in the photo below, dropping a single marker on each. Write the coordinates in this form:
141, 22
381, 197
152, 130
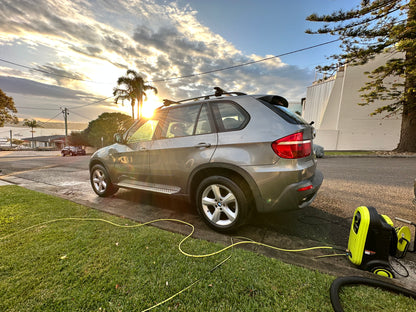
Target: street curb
369, 156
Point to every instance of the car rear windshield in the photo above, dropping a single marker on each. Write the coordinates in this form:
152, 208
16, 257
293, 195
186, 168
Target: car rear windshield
285, 113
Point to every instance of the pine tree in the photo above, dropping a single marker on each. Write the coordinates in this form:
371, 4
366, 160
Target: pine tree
368, 30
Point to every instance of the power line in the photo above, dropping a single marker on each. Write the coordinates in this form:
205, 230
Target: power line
247, 63
76, 107
44, 122
179, 77
72, 112
36, 108
98, 101
173, 78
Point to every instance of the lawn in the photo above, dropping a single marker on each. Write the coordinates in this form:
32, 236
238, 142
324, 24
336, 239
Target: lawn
80, 265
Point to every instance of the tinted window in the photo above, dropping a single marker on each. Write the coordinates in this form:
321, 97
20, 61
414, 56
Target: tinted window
203, 125
180, 121
145, 132
229, 116
285, 113
293, 115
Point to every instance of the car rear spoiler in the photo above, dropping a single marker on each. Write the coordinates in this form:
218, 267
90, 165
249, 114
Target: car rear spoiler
273, 99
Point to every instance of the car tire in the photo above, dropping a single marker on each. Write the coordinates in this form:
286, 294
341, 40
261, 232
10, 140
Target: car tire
100, 181
221, 203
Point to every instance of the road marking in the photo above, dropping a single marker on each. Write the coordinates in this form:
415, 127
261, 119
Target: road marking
11, 158
29, 170
5, 153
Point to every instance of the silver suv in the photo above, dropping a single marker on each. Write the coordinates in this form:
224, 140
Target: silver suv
232, 154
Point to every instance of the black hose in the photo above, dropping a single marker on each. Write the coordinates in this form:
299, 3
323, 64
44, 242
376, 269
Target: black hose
355, 280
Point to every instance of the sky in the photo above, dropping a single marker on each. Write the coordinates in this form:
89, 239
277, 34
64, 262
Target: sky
57, 54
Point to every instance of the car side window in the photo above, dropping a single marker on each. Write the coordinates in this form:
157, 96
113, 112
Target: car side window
180, 121
145, 132
230, 116
203, 125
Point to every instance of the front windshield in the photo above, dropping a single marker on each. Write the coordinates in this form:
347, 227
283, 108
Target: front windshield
131, 130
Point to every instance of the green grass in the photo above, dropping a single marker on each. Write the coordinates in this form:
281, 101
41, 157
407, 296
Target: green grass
94, 266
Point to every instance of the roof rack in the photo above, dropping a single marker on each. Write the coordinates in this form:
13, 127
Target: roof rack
218, 92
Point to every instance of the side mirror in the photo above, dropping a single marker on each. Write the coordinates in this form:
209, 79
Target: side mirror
118, 138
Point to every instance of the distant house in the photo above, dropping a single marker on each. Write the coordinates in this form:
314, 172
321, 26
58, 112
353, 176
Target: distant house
340, 122
47, 141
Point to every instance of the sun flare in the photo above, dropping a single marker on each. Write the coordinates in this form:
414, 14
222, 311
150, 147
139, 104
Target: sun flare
150, 104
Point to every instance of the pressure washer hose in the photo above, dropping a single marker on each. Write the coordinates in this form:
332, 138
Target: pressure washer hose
358, 280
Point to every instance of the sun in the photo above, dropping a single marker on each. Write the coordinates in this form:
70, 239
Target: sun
150, 104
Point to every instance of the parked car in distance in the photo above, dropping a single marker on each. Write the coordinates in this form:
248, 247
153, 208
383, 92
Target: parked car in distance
230, 153
318, 150
72, 151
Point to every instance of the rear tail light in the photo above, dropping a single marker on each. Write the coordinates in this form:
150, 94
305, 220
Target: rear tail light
292, 146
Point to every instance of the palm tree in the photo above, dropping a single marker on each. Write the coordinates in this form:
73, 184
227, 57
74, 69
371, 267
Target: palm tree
125, 94
133, 88
31, 124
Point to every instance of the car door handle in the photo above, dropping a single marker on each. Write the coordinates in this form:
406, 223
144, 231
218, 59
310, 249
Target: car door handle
203, 145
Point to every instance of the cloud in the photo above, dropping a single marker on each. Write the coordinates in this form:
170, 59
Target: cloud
33, 97
31, 87
58, 72
158, 39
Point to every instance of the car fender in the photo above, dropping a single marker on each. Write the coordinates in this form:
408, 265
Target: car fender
219, 166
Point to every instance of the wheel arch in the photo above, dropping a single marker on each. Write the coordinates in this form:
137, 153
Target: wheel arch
94, 162
235, 173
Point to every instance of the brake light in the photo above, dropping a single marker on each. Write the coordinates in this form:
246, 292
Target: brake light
292, 146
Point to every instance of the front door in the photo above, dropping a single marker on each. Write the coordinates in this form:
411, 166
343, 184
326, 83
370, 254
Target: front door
187, 140
133, 163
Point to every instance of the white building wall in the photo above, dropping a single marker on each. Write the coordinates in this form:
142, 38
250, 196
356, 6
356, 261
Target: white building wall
317, 101
340, 122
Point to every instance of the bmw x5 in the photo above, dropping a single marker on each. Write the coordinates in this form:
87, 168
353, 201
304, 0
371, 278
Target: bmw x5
230, 153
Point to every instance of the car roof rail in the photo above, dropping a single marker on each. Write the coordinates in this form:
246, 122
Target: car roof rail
218, 92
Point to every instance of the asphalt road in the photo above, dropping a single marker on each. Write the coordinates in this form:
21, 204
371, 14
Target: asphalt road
382, 182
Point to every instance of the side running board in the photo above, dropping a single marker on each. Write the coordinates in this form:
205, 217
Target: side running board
152, 187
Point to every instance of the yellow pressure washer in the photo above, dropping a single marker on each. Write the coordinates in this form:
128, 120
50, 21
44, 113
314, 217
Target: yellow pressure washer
373, 239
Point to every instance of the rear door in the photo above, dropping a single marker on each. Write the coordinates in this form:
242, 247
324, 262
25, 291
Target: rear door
187, 140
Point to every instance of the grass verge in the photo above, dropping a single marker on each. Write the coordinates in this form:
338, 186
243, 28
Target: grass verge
94, 266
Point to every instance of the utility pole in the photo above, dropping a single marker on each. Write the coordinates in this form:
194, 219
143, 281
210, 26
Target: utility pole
66, 113
11, 139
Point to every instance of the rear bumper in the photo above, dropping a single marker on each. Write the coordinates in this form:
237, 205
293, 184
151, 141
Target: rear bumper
296, 195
